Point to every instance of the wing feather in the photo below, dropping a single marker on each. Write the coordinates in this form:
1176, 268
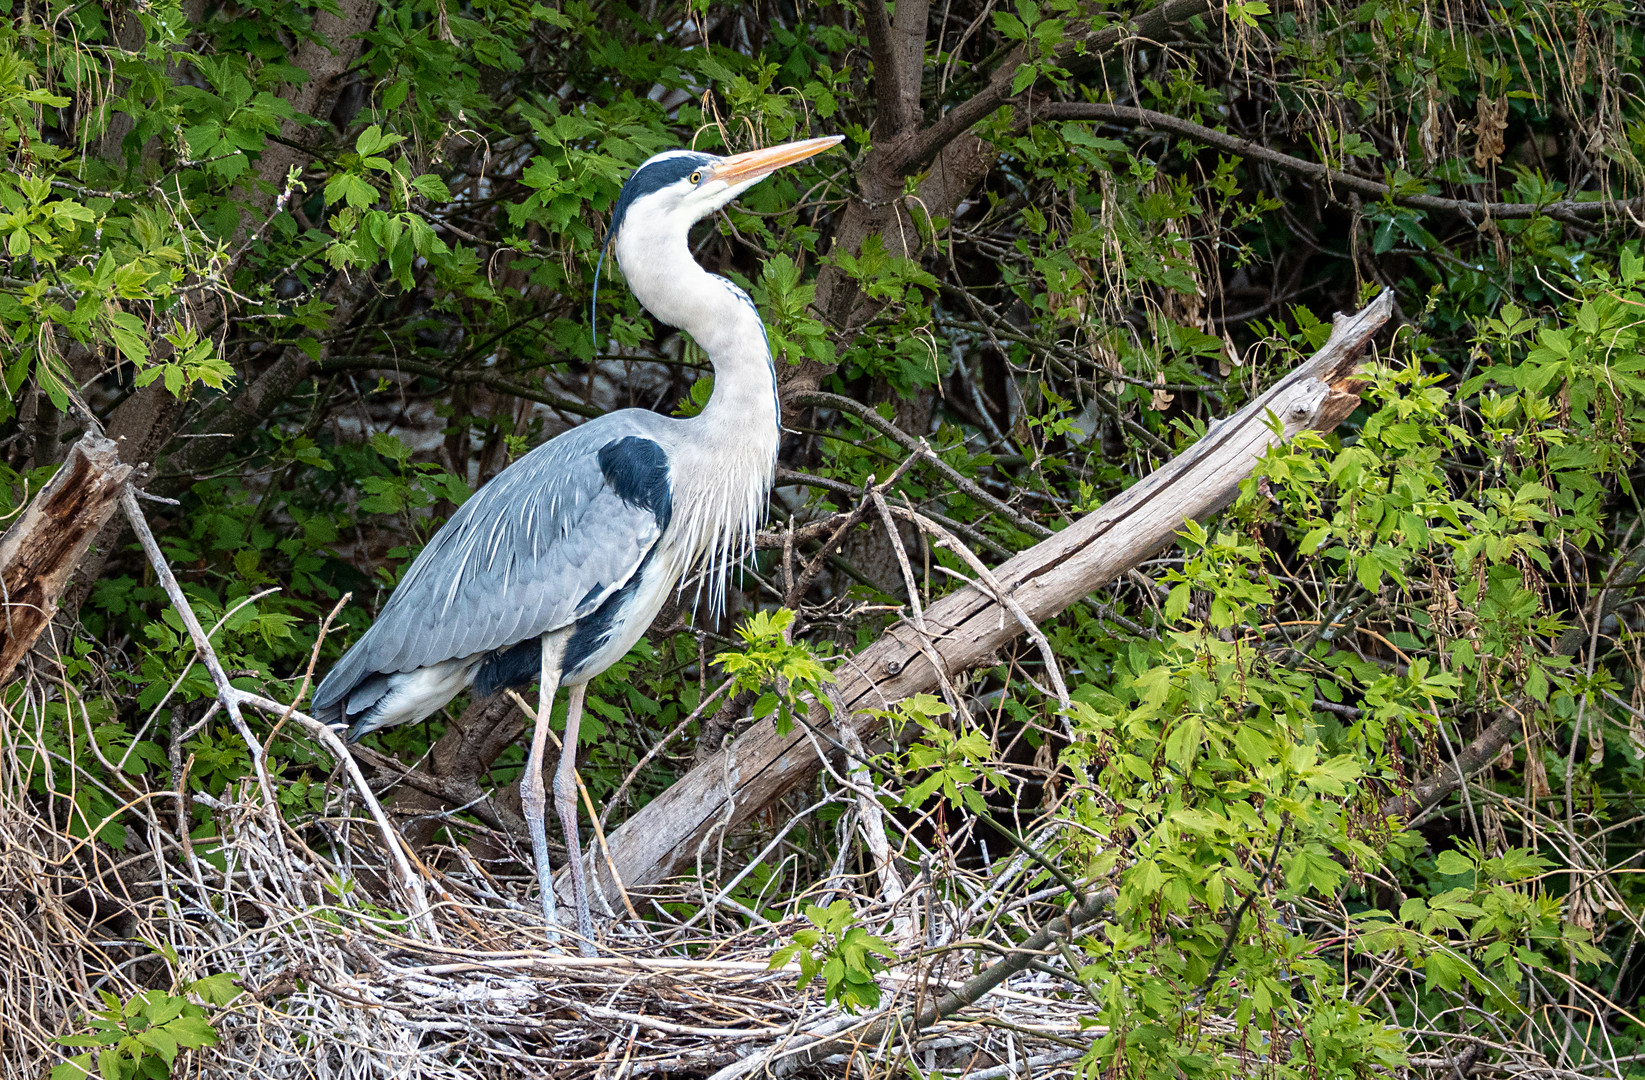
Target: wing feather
536, 549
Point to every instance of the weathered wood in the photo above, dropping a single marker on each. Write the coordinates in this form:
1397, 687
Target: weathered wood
968, 626
43, 547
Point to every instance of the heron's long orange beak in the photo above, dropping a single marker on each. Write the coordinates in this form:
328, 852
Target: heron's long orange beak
741, 168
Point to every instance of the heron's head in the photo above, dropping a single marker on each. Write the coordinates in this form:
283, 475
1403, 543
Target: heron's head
674, 190
667, 195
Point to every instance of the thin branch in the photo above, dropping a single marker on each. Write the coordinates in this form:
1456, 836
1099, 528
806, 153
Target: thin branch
466, 794
1238, 916
1567, 210
948, 540
919, 447
916, 152
232, 698
457, 377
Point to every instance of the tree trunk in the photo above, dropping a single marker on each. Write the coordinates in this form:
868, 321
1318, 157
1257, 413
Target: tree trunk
969, 626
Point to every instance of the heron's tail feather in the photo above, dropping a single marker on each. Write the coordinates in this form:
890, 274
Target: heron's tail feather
403, 697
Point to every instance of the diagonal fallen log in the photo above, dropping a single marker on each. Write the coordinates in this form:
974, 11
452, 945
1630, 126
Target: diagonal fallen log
968, 626
42, 549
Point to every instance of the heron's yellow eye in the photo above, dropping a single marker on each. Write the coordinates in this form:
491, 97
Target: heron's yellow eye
697, 177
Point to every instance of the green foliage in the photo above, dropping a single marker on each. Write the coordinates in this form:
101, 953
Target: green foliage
1248, 709
844, 954
951, 762
142, 1037
1487, 931
769, 658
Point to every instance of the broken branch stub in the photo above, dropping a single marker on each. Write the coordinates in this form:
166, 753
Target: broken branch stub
43, 548
966, 628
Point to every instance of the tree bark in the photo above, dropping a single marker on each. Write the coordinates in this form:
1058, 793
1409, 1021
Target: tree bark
327, 62
969, 625
40, 551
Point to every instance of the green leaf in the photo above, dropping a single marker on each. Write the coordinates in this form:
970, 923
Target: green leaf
432, 188
1454, 862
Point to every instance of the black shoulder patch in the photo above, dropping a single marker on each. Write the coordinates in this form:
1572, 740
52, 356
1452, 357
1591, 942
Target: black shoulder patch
637, 470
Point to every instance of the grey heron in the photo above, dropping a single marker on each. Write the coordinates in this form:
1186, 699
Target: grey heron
555, 568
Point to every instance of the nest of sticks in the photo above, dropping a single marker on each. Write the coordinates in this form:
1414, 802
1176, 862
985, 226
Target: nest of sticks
336, 984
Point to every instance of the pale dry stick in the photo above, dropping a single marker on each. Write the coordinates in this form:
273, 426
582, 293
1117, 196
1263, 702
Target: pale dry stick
919, 448
313, 658
422, 913
871, 820
902, 559
924, 644
765, 1059
810, 570
748, 868
1026, 1067
232, 698
226, 692
946, 539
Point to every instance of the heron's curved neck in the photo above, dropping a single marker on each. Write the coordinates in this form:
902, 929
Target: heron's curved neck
722, 471
723, 320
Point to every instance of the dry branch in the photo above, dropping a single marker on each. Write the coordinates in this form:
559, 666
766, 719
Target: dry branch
955, 998
967, 627
41, 551
232, 698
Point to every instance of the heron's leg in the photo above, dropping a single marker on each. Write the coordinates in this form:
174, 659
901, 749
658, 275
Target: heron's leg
533, 800
565, 801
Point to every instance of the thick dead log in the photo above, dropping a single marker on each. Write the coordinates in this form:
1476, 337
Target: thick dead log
968, 627
43, 547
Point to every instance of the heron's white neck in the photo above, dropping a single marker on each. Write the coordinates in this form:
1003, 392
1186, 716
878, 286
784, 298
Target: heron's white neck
724, 468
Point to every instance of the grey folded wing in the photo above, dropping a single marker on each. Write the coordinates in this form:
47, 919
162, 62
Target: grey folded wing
538, 548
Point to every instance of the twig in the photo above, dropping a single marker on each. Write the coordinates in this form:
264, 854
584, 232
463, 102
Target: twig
809, 572
946, 539
421, 913
232, 698
1566, 210
909, 580
226, 692
919, 447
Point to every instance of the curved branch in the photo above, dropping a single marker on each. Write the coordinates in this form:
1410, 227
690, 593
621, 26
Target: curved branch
1575, 213
919, 149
